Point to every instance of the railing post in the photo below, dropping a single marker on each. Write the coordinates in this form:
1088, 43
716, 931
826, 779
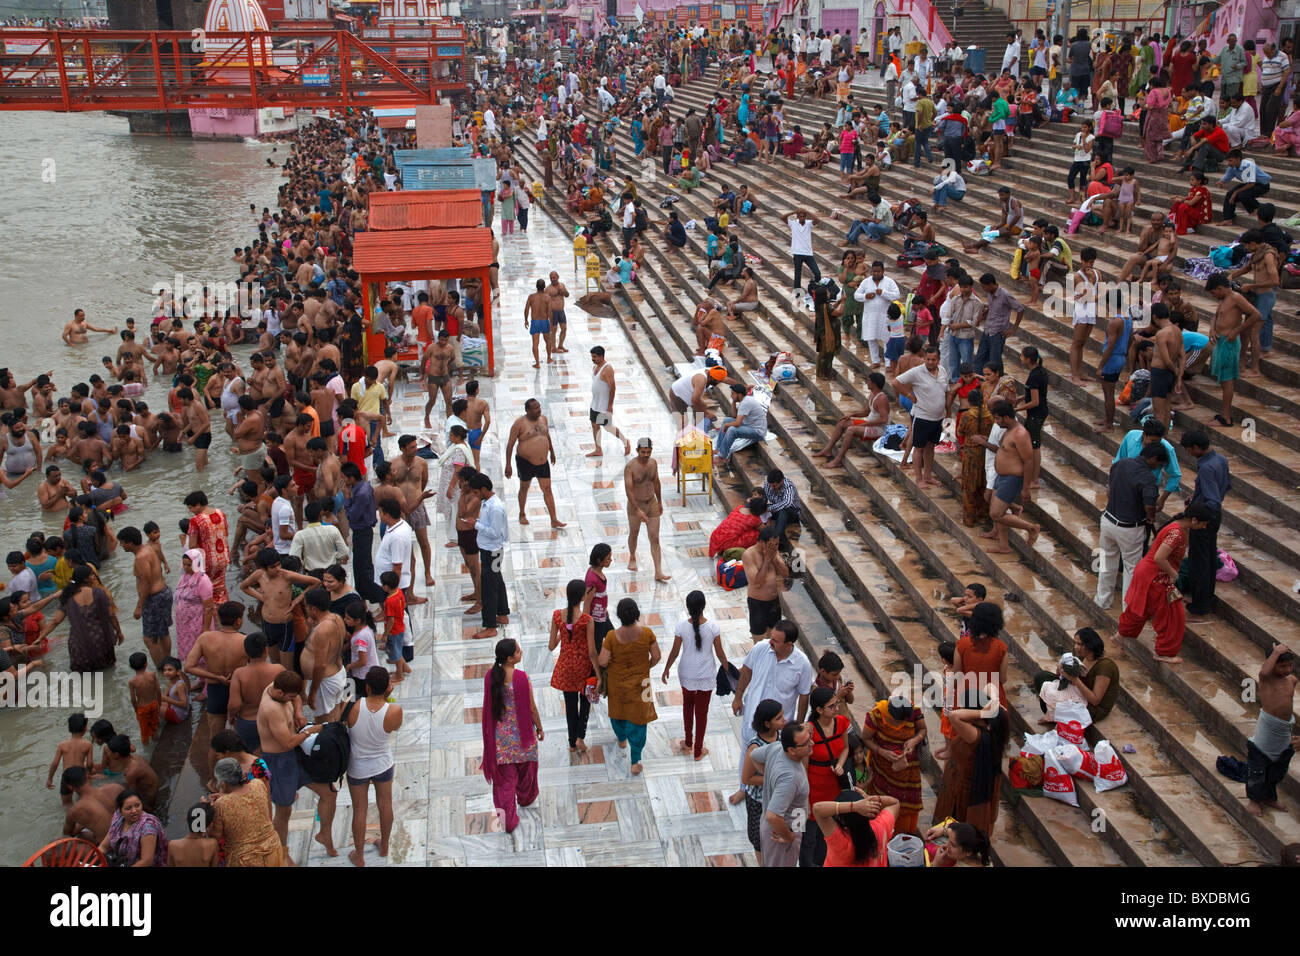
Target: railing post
252, 69
345, 68
63, 73
157, 71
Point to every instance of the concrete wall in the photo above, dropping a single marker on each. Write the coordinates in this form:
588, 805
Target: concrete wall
156, 14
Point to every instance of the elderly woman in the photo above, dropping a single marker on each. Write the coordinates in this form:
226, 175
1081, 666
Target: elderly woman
135, 838
243, 818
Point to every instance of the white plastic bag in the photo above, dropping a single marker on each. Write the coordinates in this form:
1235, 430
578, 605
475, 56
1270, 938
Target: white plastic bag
1088, 771
1072, 719
1110, 772
1069, 757
906, 849
1039, 744
1057, 783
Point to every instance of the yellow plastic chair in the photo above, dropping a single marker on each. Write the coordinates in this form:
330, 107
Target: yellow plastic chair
579, 252
593, 271
538, 190
695, 460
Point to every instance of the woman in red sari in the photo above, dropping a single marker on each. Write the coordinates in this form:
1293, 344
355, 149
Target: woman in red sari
1153, 596
209, 532
1195, 208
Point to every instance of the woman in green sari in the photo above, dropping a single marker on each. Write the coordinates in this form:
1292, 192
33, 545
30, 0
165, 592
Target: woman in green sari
852, 269
1143, 68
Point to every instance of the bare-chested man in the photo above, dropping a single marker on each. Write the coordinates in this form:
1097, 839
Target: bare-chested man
153, 608
220, 651
1167, 362
532, 433
272, 587
248, 434
537, 321
477, 418
126, 448
1263, 263
1269, 750
247, 684
412, 473
1014, 459
709, 321
558, 292
1234, 318
764, 571
644, 504
602, 402
302, 467
436, 370
322, 661
92, 813
74, 333
467, 510
133, 768
278, 730
329, 480
198, 426
55, 491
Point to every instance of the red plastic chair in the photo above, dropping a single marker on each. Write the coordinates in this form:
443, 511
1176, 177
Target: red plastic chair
69, 851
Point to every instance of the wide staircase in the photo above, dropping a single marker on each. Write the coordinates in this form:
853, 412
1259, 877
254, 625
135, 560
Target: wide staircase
985, 27
883, 556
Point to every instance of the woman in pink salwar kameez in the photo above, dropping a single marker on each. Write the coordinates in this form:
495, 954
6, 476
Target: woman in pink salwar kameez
1286, 135
195, 609
512, 728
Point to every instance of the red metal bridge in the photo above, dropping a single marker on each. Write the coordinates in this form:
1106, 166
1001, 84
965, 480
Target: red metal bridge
82, 70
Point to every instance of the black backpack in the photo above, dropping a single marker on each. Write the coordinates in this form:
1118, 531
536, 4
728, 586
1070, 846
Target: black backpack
328, 760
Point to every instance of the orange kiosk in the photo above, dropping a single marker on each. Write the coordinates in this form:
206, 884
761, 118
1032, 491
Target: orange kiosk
422, 234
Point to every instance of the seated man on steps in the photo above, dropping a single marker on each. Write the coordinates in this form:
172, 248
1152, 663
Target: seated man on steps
782, 503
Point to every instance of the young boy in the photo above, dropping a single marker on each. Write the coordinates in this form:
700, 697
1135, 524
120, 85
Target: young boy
154, 534
176, 701
947, 652
829, 669
146, 696
399, 652
974, 594
196, 848
76, 751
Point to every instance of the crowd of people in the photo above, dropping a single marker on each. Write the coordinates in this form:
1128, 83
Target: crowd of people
304, 417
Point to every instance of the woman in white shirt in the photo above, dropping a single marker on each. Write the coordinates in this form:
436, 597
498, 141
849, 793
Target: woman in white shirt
698, 641
371, 723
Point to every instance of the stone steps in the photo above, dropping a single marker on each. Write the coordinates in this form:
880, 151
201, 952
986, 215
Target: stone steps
1135, 840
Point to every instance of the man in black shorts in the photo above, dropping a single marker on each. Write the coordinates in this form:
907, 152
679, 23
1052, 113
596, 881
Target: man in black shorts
535, 455
1034, 406
765, 572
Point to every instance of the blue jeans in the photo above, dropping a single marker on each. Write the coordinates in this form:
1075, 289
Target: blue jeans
944, 193
960, 350
846, 163
875, 230
1264, 301
922, 145
732, 435
990, 351
856, 231
783, 517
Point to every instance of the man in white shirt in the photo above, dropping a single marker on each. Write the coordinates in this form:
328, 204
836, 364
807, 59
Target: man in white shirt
927, 386
895, 42
629, 225
1011, 56
890, 72
317, 545
750, 422
824, 50
1274, 68
801, 249
396, 547
659, 86
283, 523
910, 97
774, 670
490, 123
876, 292
493, 533
923, 66
1241, 124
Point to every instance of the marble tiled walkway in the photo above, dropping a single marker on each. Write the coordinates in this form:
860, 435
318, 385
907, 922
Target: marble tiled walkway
592, 812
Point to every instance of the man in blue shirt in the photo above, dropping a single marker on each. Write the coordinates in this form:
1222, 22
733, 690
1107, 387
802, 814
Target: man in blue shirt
1132, 445
493, 533
359, 504
1213, 482
1252, 182
675, 232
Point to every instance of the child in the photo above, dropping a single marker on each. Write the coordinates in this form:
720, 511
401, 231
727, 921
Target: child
947, 653
1162, 257
196, 848
974, 594
399, 652
1130, 195
101, 732
829, 669
145, 696
858, 765
154, 533
895, 345
177, 699
922, 317
76, 751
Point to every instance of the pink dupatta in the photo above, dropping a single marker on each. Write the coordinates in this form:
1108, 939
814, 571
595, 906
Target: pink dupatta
523, 694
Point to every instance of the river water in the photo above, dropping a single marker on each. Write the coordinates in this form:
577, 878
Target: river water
96, 218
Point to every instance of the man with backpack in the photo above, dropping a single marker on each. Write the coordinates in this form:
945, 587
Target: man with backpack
280, 751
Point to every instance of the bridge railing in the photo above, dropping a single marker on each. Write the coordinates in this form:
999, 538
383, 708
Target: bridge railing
74, 70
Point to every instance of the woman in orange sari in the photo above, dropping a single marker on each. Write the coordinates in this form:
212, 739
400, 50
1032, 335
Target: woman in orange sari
209, 532
1153, 594
893, 731
1195, 208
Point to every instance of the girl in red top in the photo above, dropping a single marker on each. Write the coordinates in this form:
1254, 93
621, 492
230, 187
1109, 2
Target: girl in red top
829, 754
571, 631
857, 829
